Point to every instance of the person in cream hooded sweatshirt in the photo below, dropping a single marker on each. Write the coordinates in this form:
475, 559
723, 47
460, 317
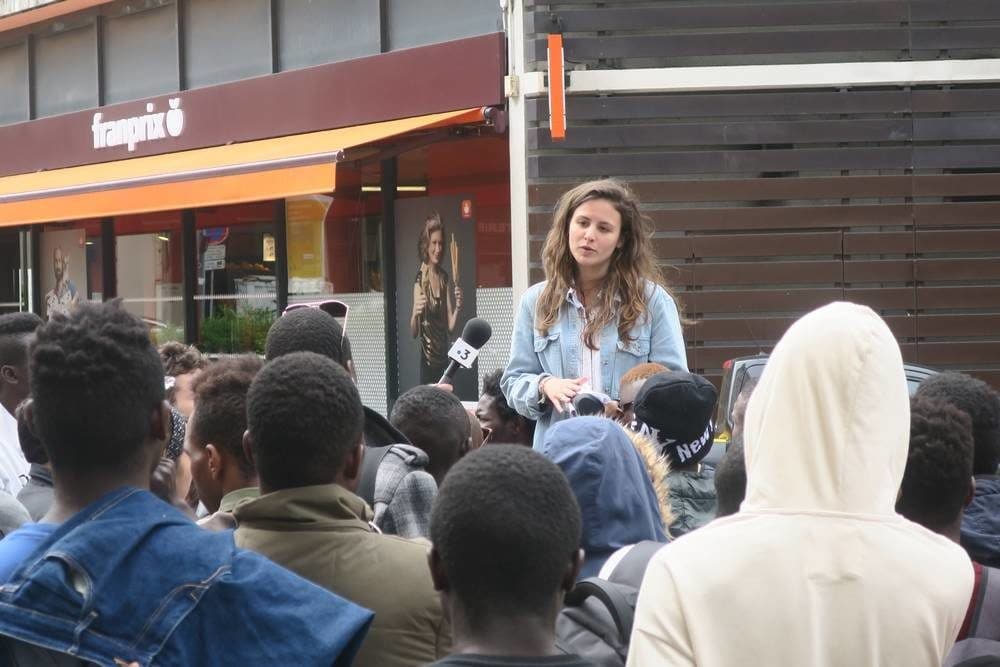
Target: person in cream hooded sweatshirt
817, 568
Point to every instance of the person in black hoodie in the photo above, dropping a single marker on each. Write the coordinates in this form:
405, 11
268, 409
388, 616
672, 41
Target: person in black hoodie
980, 535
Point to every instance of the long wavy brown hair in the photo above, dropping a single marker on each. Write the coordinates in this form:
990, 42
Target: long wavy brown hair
631, 264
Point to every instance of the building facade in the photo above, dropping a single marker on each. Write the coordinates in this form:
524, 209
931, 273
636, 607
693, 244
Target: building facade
211, 162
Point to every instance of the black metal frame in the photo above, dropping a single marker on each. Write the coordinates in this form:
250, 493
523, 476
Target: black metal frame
280, 256
109, 259
189, 265
388, 181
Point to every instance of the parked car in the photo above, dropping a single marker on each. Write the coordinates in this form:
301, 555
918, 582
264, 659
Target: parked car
741, 370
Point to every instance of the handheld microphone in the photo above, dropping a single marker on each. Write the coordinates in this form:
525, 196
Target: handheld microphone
475, 333
589, 403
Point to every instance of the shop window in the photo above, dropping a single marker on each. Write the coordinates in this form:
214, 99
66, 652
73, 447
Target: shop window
312, 33
236, 291
226, 40
70, 268
149, 258
140, 53
13, 291
66, 71
431, 21
334, 253
13, 83
465, 208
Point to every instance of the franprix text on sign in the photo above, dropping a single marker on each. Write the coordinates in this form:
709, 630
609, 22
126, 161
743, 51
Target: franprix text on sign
152, 126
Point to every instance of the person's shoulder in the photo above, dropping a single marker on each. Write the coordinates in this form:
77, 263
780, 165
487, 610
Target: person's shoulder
13, 514
403, 550
532, 293
20, 544
654, 290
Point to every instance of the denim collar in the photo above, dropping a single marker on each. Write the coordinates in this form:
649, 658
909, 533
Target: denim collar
573, 298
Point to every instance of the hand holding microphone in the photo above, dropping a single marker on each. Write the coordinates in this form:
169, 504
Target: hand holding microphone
560, 392
465, 350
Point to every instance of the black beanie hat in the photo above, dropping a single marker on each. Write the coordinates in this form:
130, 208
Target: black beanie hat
678, 406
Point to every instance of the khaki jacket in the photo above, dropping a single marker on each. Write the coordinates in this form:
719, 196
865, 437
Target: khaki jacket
323, 534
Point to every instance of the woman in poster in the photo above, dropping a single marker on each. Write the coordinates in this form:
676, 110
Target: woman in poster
436, 301
602, 309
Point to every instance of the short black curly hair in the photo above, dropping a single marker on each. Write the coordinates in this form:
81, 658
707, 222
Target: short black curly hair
14, 331
305, 330
220, 406
978, 400
491, 388
506, 525
304, 416
939, 464
95, 379
435, 421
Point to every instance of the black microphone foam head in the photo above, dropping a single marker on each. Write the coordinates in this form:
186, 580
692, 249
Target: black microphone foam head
476, 332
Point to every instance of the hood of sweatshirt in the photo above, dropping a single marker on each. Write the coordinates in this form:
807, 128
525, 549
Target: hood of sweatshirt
827, 428
609, 479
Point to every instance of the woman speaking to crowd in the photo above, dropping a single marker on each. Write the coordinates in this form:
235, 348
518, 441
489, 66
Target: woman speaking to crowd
601, 310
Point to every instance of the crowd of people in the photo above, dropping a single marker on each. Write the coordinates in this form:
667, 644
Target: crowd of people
161, 508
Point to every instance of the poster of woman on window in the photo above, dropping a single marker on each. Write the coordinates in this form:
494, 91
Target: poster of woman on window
438, 288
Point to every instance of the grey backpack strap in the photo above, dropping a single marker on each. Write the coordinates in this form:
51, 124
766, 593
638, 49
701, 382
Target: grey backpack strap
369, 471
632, 567
986, 616
618, 604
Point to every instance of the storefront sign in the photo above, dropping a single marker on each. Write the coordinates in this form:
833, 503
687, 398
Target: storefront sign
270, 251
304, 218
462, 74
215, 257
130, 131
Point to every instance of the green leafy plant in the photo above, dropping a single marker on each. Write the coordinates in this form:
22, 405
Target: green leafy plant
167, 333
232, 332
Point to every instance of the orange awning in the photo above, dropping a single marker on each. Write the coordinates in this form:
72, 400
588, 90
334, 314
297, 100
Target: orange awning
252, 171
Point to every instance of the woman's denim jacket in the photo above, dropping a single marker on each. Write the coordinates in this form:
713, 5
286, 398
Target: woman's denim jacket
533, 356
130, 579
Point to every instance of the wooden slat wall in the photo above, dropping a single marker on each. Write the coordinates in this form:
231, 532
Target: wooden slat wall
625, 33
767, 204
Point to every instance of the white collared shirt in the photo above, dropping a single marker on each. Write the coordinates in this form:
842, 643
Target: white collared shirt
13, 466
588, 360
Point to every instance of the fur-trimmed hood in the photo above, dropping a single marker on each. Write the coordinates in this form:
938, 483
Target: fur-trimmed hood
658, 468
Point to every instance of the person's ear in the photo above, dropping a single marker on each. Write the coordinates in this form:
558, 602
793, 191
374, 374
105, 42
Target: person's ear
439, 575
8, 374
352, 463
248, 449
216, 464
160, 423
971, 493
572, 570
